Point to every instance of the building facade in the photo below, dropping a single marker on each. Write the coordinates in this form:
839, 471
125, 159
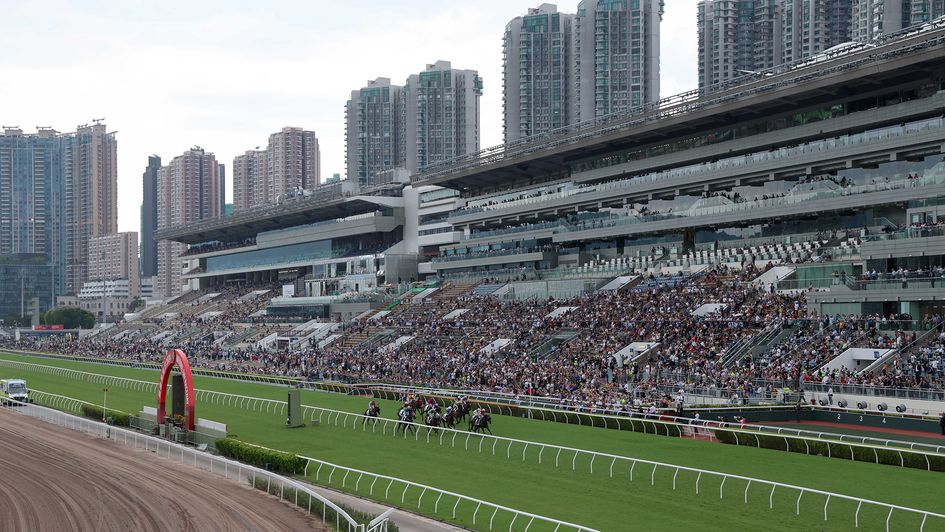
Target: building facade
616, 56
375, 130
536, 72
149, 218
442, 109
294, 162
737, 37
809, 27
873, 18
57, 191
290, 163
187, 192
115, 257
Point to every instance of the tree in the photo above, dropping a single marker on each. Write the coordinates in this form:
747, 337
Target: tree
135, 304
70, 318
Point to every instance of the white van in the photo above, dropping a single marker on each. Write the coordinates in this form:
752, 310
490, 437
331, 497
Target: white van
14, 389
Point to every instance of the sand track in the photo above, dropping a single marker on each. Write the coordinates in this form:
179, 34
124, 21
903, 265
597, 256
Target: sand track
52, 478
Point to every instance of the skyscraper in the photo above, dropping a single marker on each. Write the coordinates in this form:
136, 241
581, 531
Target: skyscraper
294, 161
56, 192
290, 162
809, 27
873, 18
536, 72
115, 257
149, 217
926, 10
737, 37
616, 56
442, 110
249, 179
375, 130
188, 190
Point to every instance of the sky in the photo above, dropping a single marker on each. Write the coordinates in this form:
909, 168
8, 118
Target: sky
223, 75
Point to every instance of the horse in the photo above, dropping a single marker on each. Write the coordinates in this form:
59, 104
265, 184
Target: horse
372, 411
406, 417
449, 418
461, 410
433, 420
480, 423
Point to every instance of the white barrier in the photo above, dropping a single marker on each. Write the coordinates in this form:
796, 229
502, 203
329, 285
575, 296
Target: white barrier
333, 416
273, 406
229, 469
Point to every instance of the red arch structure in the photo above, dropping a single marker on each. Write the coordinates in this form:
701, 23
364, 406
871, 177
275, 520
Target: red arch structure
178, 358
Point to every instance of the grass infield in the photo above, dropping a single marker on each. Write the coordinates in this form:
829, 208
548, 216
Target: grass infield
594, 500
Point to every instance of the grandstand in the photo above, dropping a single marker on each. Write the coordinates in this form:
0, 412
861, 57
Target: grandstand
806, 210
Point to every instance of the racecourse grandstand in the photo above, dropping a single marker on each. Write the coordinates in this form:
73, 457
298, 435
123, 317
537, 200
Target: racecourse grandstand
789, 234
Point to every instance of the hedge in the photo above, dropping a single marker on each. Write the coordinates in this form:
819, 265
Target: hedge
834, 449
117, 418
277, 461
302, 499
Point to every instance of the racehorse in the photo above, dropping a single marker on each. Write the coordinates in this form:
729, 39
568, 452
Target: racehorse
480, 422
372, 411
460, 410
406, 417
433, 420
449, 418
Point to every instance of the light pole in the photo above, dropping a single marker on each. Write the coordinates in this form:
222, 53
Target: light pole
104, 403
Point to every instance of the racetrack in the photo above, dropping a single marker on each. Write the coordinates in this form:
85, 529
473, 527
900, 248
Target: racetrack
53, 478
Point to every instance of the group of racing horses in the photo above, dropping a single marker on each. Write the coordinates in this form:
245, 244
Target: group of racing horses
434, 415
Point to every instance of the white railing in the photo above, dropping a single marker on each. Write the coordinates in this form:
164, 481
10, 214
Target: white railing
614, 417
423, 489
679, 427
329, 416
609, 461
232, 470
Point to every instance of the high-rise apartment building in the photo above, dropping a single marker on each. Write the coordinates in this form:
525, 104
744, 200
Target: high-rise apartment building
57, 191
290, 162
536, 72
249, 179
926, 10
188, 190
809, 27
442, 115
149, 217
738, 37
294, 161
375, 130
616, 56
873, 18
115, 257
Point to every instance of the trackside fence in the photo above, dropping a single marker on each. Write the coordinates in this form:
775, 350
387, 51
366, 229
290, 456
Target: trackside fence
668, 425
291, 491
891, 452
615, 465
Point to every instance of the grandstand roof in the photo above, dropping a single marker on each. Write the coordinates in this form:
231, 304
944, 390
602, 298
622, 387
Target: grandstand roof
824, 78
298, 211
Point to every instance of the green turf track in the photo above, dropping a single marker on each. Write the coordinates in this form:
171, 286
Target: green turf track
596, 500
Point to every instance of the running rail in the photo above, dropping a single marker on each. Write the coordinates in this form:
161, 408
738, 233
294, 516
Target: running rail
273, 406
280, 406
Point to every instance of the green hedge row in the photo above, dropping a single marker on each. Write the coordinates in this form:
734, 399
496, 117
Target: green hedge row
834, 450
326, 514
277, 461
117, 418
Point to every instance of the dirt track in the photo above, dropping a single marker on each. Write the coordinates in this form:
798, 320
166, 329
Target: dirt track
53, 478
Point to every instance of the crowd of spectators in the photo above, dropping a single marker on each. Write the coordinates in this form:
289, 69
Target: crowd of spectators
505, 346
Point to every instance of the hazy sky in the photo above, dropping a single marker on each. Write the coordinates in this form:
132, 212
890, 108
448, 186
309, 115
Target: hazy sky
225, 74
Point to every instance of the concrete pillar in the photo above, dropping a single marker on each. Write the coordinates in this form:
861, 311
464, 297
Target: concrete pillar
689, 240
